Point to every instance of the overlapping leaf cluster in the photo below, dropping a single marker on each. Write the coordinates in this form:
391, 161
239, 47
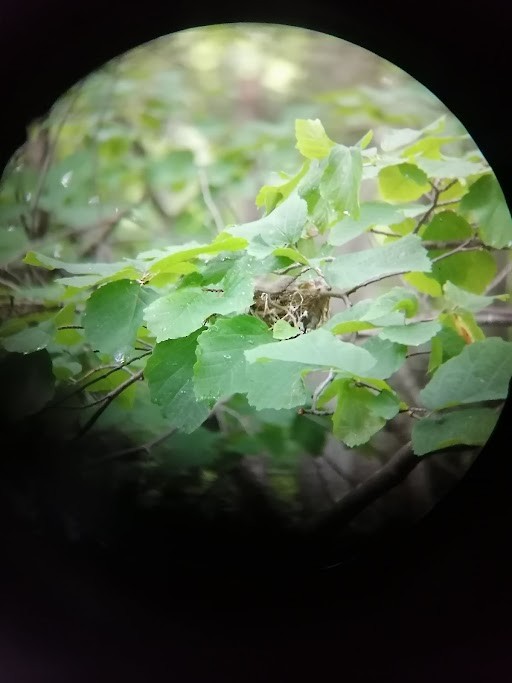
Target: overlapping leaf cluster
181, 317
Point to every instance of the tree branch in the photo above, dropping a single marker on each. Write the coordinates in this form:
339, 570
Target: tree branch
107, 400
369, 491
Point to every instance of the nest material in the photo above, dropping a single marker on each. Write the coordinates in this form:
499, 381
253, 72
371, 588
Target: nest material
301, 305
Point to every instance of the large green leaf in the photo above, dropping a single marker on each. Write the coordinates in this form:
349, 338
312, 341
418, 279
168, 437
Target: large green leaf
341, 180
389, 357
399, 138
485, 201
318, 348
371, 214
312, 140
447, 225
481, 372
169, 372
28, 340
468, 426
281, 228
461, 298
352, 270
402, 183
360, 413
221, 368
449, 168
13, 243
413, 334
389, 309
271, 195
169, 263
471, 270
113, 314
180, 313
276, 384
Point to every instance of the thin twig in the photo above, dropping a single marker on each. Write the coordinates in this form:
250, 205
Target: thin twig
147, 447
107, 400
499, 277
111, 369
462, 246
208, 200
437, 192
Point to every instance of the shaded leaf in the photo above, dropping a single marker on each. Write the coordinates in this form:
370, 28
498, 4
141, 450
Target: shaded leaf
113, 314
481, 372
169, 373
352, 270
469, 426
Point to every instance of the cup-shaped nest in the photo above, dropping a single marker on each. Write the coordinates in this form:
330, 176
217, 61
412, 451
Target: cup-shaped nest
304, 306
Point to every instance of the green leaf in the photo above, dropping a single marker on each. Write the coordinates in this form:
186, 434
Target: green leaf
34, 258
471, 270
277, 384
481, 372
312, 140
399, 138
447, 225
424, 283
469, 426
180, 313
271, 195
449, 168
221, 368
365, 140
281, 228
388, 309
341, 180
169, 372
352, 270
113, 314
371, 214
357, 416
413, 334
283, 330
402, 183
430, 146
292, 254
13, 243
461, 298
27, 340
485, 202
389, 357
318, 348
436, 354
223, 242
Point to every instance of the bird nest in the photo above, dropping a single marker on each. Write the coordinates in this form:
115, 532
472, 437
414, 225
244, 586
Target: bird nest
303, 306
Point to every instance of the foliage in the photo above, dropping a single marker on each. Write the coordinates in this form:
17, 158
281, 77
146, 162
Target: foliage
192, 321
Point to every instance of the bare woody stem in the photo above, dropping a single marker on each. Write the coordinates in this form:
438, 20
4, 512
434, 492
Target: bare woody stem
107, 400
369, 491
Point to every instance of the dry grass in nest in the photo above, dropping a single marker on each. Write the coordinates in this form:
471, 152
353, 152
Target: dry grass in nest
301, 305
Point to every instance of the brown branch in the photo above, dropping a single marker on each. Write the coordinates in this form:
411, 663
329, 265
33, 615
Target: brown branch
369, 491
435, 203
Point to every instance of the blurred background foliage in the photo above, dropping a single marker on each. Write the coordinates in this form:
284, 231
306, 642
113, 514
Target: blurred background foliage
174, 139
